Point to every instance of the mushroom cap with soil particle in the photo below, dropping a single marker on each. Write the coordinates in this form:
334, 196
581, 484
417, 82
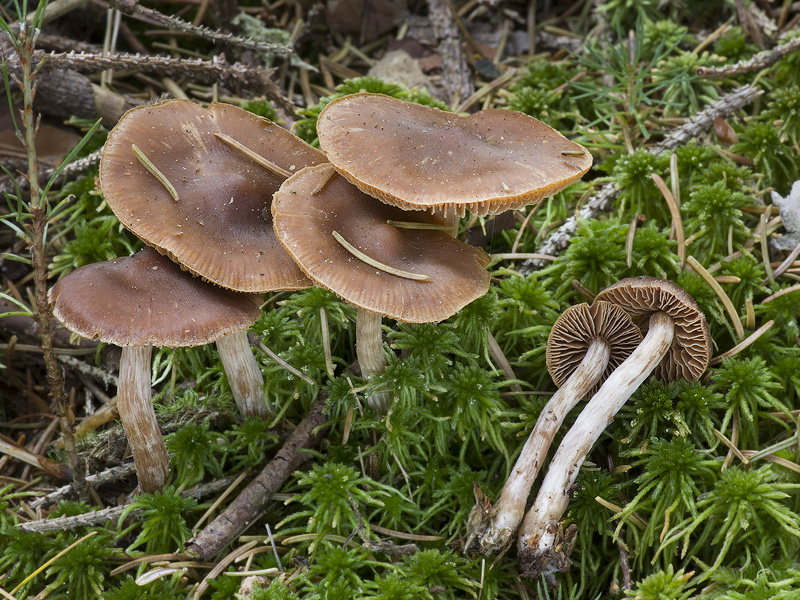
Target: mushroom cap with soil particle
186, 181
420, 158
146, 299
640, 297
454, 273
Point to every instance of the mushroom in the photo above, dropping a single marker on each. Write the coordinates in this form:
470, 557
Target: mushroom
419, 158
381, 259
136, 303
585, 345
677, 344
196, 184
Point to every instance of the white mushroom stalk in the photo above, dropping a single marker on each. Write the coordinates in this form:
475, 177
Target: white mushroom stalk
584, 347
244, 375
510, 507
677, 345
539, 530
371, 358
138, 302
139, 419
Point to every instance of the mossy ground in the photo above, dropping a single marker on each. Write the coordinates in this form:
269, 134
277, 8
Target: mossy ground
692, 492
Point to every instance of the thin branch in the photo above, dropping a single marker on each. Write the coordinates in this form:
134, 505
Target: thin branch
107, 514
691, 129
242, 511
235, 75
760, 61
107, 476
179, 24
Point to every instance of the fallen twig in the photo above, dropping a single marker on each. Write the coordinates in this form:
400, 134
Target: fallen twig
239, 514
760, 61
107, 514
112, 474
130, 7
691, 129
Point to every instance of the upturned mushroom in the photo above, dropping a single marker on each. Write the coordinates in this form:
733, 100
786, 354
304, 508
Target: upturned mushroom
419, 158
585, 345
381, 259
136, 303
196, 184
676, 344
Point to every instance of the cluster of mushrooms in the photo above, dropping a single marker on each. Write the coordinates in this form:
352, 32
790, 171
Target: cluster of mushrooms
231, 205
634, 328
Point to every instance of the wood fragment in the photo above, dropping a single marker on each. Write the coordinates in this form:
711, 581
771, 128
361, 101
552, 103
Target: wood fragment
759, 62
456, 79
239, 513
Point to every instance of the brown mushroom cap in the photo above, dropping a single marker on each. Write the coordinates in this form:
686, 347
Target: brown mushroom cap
578, 327
419, 158
691, 346
147, 299
305, 223
220, 226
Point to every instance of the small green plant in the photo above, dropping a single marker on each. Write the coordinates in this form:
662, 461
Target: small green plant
709, 213
753, 504
784, 110
194, 452
595, 257
653, 253
161, 518
663, 585
331, 491
761, 142
749, 385
634, 93
250, 442
674, 472
638, 193
81, 572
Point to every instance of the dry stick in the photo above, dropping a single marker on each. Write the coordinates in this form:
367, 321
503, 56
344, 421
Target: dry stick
236, 75
107, 514
702, 121
98, 479
179, 24
53, 468
71, 171
239, 514
36, 229
760, 61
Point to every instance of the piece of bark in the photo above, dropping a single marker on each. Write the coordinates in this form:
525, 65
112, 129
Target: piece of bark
242, 511
456, 79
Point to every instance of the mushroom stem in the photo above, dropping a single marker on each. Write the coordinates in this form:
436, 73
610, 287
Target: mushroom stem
510, 507
369, 350
244, 376
538, 533
139, 419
